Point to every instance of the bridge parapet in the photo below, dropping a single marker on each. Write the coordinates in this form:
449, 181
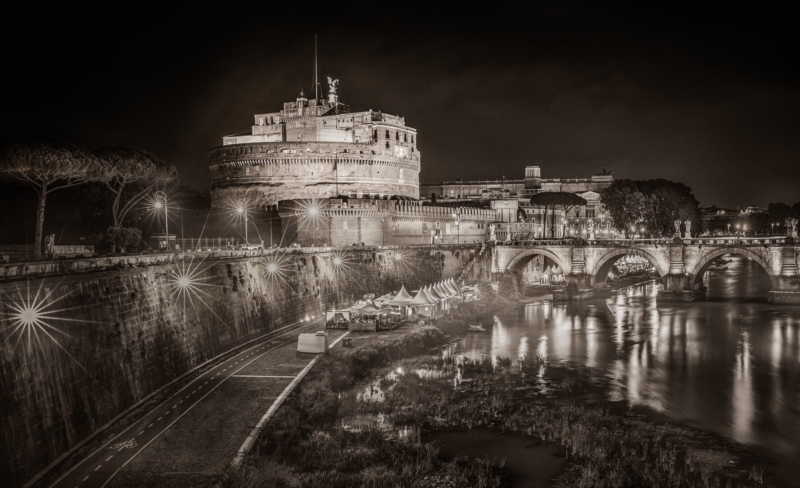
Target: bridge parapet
680, 263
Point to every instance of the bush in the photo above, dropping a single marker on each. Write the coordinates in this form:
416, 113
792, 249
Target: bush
123, 237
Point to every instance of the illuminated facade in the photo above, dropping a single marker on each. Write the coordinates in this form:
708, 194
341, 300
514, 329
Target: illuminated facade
336, 178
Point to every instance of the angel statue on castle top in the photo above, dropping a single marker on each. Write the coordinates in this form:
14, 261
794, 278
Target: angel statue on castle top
333, 85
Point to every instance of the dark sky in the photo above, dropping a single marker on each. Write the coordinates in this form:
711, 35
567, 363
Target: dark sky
706, 95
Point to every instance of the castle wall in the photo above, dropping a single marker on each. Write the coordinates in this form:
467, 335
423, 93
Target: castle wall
266, 173
129, 333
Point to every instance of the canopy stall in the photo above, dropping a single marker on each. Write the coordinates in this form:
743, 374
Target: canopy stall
380, 301
423, 304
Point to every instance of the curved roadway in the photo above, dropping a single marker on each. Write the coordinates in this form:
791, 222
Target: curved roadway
98, 468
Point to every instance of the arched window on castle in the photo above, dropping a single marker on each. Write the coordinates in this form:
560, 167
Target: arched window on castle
387, 133
397, 136
405, 137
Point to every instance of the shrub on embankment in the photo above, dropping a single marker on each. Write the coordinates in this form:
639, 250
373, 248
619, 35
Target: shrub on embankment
303, 436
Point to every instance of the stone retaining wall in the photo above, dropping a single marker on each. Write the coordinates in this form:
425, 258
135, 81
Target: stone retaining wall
117, 335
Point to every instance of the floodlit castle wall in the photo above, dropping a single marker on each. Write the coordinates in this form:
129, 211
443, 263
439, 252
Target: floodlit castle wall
129, 334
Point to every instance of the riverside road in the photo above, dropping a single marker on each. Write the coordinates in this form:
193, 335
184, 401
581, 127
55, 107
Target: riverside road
252, 369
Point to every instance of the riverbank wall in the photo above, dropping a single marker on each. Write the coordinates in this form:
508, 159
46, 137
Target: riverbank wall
79, 349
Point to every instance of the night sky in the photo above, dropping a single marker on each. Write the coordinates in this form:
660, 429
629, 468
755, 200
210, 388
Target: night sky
704, 95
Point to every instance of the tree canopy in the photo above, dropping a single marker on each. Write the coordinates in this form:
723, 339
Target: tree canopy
49, 166
555, 199
652, 204
127, 166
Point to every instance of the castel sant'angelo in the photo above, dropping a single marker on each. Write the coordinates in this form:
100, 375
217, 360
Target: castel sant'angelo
337, 177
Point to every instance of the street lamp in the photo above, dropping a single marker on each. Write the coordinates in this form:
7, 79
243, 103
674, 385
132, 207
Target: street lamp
383, 227
242, 210
457, 218
161, 201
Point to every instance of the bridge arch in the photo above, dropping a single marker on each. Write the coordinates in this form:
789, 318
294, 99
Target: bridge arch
604, 264
705, 261
521, 259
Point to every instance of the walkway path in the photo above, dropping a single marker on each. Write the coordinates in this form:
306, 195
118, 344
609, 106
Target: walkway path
197, 432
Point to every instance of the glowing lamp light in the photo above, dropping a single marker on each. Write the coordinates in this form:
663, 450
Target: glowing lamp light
313, 211
337, 261
184, 282
240, 209
272, 268
28, 316
158, 205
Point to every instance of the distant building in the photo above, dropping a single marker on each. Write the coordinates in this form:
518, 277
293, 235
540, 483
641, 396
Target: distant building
336, 177
503, 194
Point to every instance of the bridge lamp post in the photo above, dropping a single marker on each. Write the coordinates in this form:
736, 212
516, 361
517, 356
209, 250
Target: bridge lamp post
161, 201
729, 228
772, 231
242, 210
457, 218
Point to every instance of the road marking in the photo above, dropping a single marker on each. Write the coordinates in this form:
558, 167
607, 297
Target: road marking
268, 345
180, 401
159, 418
142, 432
109, 458
98, 467
151, 425
217, 374
175, 406
199, 387
205, 383
257, 376
195, 391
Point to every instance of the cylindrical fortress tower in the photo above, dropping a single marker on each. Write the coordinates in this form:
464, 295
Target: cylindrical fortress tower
316, 149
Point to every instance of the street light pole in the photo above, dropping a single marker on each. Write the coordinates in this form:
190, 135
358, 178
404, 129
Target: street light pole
161, 200
242, 210
383, 227
457, 217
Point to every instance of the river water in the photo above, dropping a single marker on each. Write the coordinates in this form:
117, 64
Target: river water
729, 365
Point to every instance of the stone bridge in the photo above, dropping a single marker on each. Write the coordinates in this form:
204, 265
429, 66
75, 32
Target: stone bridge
681, 263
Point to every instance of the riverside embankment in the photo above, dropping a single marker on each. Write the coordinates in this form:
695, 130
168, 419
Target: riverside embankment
80, 349
380, 398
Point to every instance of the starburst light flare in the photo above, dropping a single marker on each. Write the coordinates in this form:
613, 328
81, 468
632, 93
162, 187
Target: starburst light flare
187, 281
275, 269
341, 263
404, 261
33, 318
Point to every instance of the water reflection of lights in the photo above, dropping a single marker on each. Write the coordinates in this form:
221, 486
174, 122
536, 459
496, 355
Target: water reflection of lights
500, 338
744, 409
523, 347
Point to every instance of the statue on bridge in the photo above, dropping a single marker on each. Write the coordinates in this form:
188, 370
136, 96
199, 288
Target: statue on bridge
791, 227
688, 224
590, 226
677, 225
